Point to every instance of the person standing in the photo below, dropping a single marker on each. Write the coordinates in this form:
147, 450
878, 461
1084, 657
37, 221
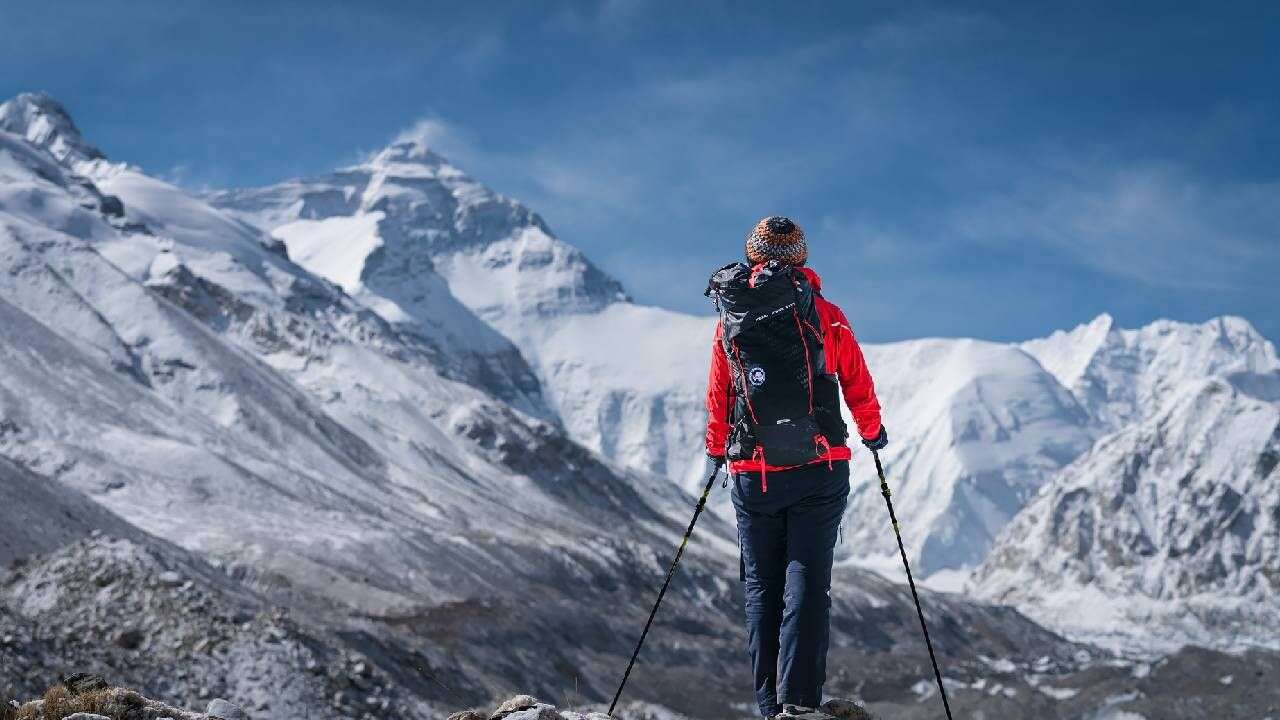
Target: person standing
782, 358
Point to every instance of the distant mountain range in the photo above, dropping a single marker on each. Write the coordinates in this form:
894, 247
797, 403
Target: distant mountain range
393, 401
979, 428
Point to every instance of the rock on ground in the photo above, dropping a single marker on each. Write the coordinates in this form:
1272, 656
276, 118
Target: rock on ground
224, 710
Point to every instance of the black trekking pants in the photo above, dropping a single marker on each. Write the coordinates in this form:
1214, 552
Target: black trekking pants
787, 539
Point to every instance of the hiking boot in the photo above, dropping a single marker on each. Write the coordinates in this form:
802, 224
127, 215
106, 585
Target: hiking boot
791, 711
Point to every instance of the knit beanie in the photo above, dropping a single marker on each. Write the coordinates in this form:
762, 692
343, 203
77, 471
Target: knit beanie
777, 238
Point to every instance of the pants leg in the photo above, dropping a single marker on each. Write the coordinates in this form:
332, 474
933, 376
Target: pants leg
813, 526
762, 535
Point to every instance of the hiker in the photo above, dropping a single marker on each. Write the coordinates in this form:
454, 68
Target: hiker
782, 357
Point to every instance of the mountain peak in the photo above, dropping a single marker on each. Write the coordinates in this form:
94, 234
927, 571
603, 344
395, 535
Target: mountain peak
43, 120
408, 151
1104, 323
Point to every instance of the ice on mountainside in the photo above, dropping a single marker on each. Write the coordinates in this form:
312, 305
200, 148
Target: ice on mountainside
82, 588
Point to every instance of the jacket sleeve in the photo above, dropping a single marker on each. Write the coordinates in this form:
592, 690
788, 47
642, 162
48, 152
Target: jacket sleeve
719, 398
855, 379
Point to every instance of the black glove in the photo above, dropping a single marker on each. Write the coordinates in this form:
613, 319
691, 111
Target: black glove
881, 440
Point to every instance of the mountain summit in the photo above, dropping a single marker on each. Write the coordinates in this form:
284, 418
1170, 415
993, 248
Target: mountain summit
413, 211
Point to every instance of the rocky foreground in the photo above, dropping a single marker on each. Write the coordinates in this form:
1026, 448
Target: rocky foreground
89, 697
526, 707
151, 618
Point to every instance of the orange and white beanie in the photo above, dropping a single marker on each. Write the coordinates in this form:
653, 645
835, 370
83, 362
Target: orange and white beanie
777, 238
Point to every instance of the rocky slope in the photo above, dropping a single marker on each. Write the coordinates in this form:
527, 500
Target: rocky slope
86, 590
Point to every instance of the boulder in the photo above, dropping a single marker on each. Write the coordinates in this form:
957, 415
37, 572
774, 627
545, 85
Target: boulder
80, 682
225, 710
469, 715
541, 711
130, 638
169, 578
844, 710
519, 702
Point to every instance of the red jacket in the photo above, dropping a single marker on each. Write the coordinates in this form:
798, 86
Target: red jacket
844, 358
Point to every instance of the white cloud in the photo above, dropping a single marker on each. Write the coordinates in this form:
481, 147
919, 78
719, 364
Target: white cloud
445, 138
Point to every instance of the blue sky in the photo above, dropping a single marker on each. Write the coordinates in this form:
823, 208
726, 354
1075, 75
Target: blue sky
993, 170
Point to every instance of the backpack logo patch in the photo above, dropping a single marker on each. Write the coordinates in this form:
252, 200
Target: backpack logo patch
756, 376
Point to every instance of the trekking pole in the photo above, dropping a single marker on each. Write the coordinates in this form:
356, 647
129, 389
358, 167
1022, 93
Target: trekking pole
884, 490
702, 502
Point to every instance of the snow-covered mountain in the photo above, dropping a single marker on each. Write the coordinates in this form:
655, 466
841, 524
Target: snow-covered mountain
978, 428
164, 359
1172, 521
393, 400
621, 377
628, 380
376, 455
1121, 376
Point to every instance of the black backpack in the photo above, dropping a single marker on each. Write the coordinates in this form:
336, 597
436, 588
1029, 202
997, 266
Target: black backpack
786, 406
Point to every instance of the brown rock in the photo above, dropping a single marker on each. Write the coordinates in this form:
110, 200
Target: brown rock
77, 683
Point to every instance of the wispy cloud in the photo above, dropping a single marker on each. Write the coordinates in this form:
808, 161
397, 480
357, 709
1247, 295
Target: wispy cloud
1155, 223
